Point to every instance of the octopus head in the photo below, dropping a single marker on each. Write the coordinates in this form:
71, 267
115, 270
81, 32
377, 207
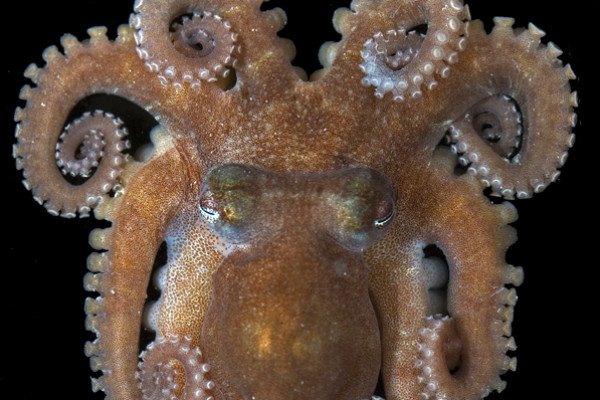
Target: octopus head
294, 284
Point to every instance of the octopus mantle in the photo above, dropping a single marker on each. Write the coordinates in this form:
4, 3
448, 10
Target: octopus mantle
307, 237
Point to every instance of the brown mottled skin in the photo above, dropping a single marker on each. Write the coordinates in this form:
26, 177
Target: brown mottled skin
379, 317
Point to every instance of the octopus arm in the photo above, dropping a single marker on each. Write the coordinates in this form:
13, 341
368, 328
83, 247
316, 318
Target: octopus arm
518, 109
96, 65
121, 273
410, 52
202, 45
185, 281
172, 362
453, 312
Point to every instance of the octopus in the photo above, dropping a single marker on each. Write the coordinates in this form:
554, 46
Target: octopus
338, 235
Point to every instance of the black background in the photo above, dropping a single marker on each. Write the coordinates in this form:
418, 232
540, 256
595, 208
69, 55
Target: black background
41, 282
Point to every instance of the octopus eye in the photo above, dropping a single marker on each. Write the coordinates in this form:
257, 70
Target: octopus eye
208, 210
227, 202
363, 207
385, 212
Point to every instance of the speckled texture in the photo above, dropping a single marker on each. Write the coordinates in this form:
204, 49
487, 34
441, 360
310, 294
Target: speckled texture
542, 27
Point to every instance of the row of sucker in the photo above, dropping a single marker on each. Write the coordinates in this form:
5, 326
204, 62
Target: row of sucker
79, 150
498, 122
87, 141
68, 168
100, 266
461, 352
441, 349
183, 44
171, 368
405, 61
90, 148
515, 153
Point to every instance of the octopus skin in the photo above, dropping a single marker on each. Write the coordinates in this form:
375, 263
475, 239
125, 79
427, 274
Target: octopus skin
168, 207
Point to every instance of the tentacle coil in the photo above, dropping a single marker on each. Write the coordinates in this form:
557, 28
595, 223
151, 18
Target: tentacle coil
89, 153
89, 139
69, 169
183, 45
405, 61
171, 368
516, 137
78, 153
443, 373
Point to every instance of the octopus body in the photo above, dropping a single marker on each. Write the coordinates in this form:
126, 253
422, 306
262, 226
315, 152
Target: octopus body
307, 237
